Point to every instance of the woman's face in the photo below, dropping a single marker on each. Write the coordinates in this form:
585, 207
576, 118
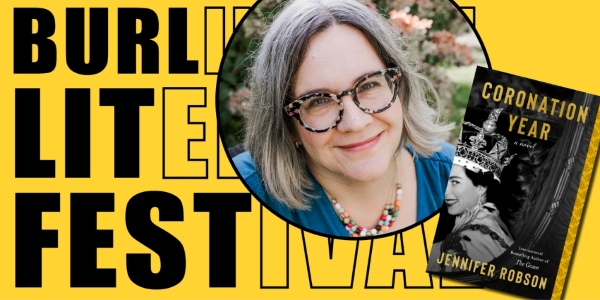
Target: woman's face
361, 147
460, 192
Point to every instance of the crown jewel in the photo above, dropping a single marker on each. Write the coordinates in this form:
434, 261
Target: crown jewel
481, 149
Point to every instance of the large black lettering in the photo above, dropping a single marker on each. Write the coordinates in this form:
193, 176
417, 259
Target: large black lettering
24, 39
77, 133
86, 238
128, 38
98, 40
169, 248
27, 137
30, 238
127, 104
178, 62
222, 247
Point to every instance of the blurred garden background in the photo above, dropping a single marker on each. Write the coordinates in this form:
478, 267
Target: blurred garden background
440, 35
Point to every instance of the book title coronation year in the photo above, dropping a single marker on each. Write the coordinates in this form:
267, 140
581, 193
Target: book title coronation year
534, 102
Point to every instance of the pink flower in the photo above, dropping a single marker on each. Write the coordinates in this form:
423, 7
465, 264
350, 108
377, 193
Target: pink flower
446, 46
409, 22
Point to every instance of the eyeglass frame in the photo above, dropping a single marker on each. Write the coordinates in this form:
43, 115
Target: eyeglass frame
293, 108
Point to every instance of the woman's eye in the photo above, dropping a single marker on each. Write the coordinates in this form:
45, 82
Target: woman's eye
316, 102
367, 86
454, 182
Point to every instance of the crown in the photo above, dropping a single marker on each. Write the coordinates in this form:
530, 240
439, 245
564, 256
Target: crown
481, 149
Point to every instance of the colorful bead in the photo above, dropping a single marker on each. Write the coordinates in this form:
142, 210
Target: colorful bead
386, 221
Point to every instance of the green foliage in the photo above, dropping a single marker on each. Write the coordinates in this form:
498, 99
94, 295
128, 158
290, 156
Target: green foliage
460, 99
233, 74
232, 78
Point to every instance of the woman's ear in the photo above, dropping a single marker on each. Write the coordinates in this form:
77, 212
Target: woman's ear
294, 136
481, 189
296, 140
481, 193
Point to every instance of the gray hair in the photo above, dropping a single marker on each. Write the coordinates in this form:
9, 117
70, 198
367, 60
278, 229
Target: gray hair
269, 132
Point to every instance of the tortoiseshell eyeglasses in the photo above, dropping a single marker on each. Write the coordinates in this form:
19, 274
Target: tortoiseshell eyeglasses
373, 93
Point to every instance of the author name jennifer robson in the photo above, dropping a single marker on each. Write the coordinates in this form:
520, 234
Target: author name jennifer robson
449, 261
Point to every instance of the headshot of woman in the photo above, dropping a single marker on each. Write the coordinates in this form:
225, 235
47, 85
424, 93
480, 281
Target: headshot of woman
472, 195
341, 132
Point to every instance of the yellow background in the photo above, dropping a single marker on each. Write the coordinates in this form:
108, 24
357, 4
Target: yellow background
551, 41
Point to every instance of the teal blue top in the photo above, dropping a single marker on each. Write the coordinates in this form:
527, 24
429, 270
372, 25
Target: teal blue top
432, 178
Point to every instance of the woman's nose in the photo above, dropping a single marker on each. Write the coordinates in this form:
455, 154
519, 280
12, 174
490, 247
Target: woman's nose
353, 118
448, 189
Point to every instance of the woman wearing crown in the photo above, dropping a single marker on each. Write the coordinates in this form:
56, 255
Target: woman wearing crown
478, 233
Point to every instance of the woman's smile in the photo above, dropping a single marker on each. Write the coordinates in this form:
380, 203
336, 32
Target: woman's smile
450, 202
364, 145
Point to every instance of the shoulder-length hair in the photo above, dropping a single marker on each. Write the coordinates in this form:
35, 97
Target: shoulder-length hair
269, 132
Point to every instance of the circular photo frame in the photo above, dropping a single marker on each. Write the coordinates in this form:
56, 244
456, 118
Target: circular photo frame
339, 115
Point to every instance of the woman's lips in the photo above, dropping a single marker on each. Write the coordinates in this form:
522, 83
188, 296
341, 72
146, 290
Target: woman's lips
450, 202
361, 146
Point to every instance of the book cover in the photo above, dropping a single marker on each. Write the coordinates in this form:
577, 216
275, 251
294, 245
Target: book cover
518, 185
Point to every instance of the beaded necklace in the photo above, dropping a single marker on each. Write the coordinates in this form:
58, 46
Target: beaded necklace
387, 219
